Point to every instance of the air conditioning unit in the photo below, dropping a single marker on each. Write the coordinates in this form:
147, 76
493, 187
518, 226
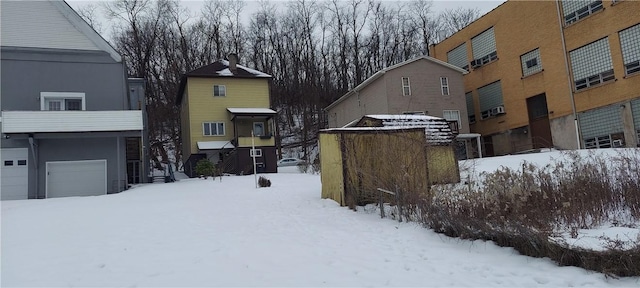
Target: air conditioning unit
618, 143
497, 110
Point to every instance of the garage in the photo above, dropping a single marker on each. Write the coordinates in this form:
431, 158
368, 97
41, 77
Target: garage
15, 173
76, 178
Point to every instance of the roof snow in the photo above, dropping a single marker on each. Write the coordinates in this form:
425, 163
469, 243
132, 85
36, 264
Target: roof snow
227, 72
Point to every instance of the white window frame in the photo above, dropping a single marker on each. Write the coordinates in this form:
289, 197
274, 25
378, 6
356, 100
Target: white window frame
263, 129
255, 152
406, 89
210, 130
46, 97
444, 85
224, 90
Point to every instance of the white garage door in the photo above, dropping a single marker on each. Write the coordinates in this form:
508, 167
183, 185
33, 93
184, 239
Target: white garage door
76, 178
15, 184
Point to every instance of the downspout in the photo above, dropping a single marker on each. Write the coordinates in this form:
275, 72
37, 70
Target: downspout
569, 78
118, 163
32, 145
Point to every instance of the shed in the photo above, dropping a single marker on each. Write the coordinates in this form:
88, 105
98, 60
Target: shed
357, 161
441, 155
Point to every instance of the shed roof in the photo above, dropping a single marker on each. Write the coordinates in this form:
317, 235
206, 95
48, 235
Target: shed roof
437, 129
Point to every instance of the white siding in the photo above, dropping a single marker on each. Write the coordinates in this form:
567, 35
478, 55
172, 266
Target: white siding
70, 121
40, 24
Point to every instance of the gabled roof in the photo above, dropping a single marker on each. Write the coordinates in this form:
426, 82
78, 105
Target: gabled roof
220, 68
15, 32
217, 69
385, 70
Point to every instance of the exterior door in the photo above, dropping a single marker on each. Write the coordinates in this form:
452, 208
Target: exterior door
14, 173
539, 122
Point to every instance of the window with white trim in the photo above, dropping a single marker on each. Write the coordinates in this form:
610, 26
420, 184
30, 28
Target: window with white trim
630, 43
219, 90
255, 152
483, 47
458, 57
62, 101
213, 128
575, 10
531, 62
258, 129
406, 86
444, 85
591, 64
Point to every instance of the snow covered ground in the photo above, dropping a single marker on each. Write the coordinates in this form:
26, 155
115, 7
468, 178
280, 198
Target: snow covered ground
196, 232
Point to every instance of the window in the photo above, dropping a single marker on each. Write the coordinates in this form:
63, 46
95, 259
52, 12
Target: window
470, 108
490, 100
591, 64
531, 62
598, 142
406, 87
576, 10
22, 162
453, 116
444, 84
62, 101
219, 90
630, 43
414, 113
255, 153
213, 128
458, 57
484, 48
8, 163
258, 129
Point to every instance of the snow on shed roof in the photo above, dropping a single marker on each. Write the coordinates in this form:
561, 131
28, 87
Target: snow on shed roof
437, 129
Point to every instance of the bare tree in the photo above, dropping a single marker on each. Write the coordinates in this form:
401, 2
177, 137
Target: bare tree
453, 20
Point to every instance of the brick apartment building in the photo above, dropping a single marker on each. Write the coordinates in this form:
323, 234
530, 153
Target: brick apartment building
562, 74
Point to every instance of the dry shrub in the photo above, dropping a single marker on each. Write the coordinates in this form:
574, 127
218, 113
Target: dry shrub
523, 208
264, 182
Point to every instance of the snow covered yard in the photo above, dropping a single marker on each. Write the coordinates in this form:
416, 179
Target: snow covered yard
199, 232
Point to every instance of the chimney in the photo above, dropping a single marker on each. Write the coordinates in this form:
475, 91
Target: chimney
233, 61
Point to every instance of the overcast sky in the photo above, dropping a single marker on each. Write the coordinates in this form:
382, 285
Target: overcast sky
252, 5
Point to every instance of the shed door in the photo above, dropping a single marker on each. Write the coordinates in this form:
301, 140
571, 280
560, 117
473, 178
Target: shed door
15, 172
76, 178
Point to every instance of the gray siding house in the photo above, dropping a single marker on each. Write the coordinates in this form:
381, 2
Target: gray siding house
420, 86
70, 124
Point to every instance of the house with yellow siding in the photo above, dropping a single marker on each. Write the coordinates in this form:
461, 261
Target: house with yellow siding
226, 118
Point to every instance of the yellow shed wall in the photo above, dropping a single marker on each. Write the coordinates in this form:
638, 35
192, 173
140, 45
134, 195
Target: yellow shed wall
331, 168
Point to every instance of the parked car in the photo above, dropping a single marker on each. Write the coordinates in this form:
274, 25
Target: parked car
290, 162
